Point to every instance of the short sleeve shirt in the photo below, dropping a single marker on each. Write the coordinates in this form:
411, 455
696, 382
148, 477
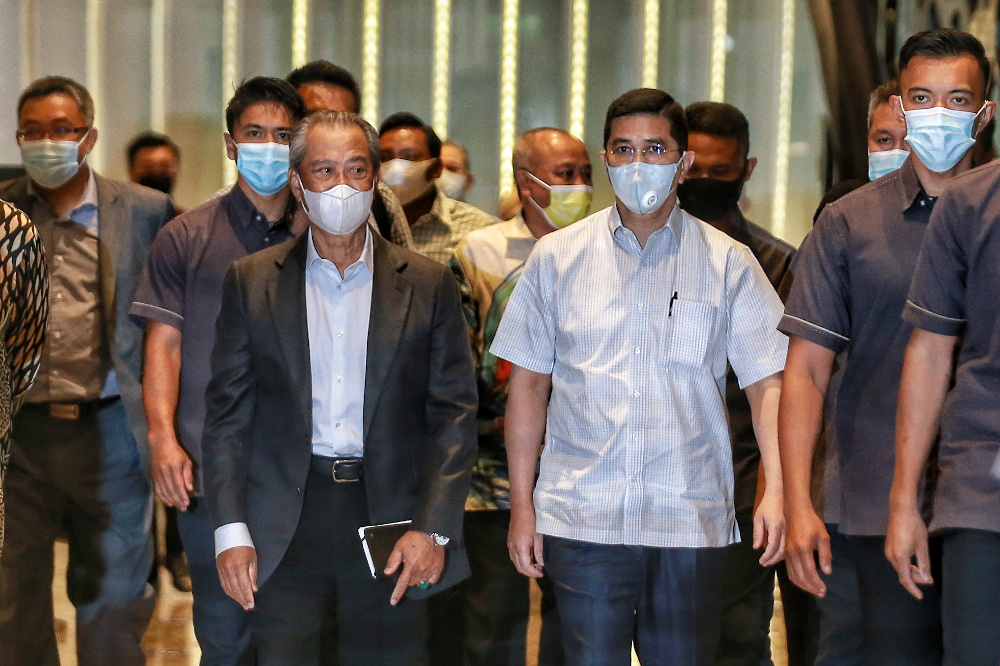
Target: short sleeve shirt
637, 341
954, 292
182, 283
849, 283
436, 234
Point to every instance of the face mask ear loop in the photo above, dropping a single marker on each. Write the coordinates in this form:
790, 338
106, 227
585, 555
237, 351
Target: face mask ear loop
975, 132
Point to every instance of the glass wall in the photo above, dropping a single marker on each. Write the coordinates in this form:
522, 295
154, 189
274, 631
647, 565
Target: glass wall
183, 83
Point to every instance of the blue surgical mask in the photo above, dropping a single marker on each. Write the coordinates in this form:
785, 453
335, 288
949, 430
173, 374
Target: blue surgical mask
263, 165
940, 136
643, 187
51, 164
885, 161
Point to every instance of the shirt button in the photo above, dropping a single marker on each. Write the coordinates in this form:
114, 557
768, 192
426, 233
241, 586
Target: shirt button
635, 437
340, 334
636, 350
59, 257
57, 335
340, 379
338, 425
58, 295
639, 306
55, 373
635, 393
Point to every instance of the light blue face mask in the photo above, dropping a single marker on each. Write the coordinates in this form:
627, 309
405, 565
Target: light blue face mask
263, 165
885, 161
643, 187
940, 136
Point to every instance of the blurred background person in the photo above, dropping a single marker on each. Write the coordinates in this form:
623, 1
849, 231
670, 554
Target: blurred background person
456, 178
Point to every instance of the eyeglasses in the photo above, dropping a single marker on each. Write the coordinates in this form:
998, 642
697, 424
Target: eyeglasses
652, 154
55, 134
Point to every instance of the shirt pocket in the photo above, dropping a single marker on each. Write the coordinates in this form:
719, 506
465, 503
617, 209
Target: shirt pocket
690, 326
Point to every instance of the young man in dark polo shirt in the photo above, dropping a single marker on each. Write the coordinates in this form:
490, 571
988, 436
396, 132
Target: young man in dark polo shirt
179, 299
719, 136
953, 302
849, 285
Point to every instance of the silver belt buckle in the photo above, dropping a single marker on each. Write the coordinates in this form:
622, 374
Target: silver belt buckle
336, 465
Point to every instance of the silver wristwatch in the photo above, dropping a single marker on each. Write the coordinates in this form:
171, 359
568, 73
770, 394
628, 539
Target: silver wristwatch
439, 539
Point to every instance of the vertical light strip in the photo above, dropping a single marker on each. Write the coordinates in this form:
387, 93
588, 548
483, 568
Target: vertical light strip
27, 42
157, 65
720, 14
578, 70
95, 78
442, 63
784, 138
300, 33
508, 93
651, 44
230, 64
369, 63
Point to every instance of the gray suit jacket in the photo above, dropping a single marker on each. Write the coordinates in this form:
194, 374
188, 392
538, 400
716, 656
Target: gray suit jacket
129, 217
419, 406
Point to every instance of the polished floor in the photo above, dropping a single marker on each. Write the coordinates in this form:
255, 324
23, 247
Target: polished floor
170, 639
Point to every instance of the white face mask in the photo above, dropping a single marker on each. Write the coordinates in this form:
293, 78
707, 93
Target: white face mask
452, 184
51, 163
407, 179
644, 187
339, 210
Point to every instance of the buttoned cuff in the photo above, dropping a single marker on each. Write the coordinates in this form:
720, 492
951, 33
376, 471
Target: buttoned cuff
232, 535
932, 322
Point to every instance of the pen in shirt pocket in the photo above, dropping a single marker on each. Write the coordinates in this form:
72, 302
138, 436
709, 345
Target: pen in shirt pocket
670, 307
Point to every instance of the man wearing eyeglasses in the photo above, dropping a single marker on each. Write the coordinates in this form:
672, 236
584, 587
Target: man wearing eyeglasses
620, 330
79, 441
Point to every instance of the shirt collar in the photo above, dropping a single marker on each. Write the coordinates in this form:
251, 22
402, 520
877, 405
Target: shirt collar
675, 222
367, 253
518, 228
440, 209
240, 209
913, 191
89, 197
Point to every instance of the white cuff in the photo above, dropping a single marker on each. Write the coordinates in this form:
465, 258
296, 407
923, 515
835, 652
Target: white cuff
232, 535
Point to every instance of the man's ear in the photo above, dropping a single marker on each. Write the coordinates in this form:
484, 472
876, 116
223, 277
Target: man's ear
685, 165
434, 169
87, 144
751, 165
296, 184
230, 146
986, 116
896, 104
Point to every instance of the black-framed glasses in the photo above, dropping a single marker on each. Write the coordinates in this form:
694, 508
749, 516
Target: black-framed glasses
55, 134
655, 153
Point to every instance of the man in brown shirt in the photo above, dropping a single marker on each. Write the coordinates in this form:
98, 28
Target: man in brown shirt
79, 440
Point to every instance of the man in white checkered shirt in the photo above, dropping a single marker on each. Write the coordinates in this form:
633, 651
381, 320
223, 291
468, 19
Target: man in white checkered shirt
620, 331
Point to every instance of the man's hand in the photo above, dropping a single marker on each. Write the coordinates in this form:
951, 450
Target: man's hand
238, 574
173, 473
524, 544
906, 539
769, 528
422, 561
807, 536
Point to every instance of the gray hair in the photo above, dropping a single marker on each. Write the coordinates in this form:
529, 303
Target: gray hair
336, 120
881, 96
525, 155
53, 85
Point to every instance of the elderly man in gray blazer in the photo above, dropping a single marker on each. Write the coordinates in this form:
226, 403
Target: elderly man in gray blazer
342, 395
79, 440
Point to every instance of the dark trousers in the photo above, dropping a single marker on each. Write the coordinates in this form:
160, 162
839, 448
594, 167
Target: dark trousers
483, 621
748, 604
970, 597
80, 477
220, 624
665, 600
324, 573
867, 617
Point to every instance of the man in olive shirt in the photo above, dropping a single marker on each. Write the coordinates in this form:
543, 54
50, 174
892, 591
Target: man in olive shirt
79, 445
848, 289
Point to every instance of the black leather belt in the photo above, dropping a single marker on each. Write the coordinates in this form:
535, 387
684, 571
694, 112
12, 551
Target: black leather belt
341, 470
70, 411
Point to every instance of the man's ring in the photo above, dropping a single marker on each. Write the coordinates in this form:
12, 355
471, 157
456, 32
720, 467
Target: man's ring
423, 585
